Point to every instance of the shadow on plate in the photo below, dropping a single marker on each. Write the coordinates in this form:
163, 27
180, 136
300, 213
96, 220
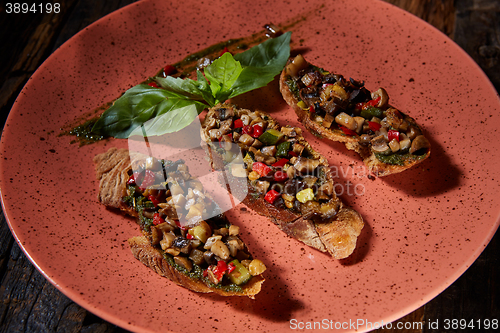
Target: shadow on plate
433, 176
275, 302
267, 99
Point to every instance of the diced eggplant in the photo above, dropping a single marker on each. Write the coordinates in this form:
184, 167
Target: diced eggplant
209, 257
184, 262
196, 256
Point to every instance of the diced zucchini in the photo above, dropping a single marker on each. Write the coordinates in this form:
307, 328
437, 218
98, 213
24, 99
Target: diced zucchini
201, 231
302, 105
372, 112
270, 137
240, 274
248, 161
282, 149
339, 91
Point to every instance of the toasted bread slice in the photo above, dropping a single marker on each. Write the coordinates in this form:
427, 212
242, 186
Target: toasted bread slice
150, 256
195, 247
287, 180
337, 109
112, 171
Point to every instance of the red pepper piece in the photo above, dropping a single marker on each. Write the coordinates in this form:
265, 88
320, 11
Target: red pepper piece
280, 176
224, 50
189, 236
205, 273
248, 130
392, 134
257, 131
220, 269
292, 153
149, 180
230, 267
237, 123
153, 200
371, 103
131, 180
169, 69
358, 106
153, 84
262, 169
281, 163
157, 219
271, 196
136, 178
347, 131
312, 109
374, 126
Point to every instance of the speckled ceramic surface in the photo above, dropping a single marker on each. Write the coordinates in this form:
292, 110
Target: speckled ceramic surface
423, 227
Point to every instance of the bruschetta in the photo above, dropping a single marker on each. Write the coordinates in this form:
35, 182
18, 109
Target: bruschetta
343, 110
185, 236
287, 180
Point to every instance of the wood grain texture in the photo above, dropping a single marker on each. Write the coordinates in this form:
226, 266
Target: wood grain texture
29, 303
439, 13
477, 31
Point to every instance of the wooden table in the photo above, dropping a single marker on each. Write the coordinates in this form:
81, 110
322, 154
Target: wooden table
30, 303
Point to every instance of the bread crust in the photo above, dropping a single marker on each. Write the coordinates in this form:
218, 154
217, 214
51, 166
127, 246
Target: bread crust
143, 251
374, 165
112, 171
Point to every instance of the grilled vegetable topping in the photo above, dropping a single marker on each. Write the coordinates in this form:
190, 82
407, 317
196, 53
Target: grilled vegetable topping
182, 220
348, 108
283, 169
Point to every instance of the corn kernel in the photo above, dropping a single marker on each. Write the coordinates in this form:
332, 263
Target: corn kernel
305, 195
256, 267
254, 175
339, 91
302, 105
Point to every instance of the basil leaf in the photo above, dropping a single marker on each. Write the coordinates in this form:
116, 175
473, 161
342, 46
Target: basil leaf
168, 122
272, 52
175, 103
195, 90
261, 64
207, 92
222, 73
138, 105
251, 78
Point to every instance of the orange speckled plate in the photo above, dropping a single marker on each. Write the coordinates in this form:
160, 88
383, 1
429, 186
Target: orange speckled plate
424, 227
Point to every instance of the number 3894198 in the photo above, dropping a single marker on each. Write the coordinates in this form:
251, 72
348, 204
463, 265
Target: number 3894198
23, 8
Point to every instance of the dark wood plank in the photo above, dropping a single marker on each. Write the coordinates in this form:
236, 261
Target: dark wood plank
30, 38
474, 296
478, 33
475, 26
28, 302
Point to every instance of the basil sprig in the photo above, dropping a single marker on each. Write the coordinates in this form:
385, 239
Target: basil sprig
155, 111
